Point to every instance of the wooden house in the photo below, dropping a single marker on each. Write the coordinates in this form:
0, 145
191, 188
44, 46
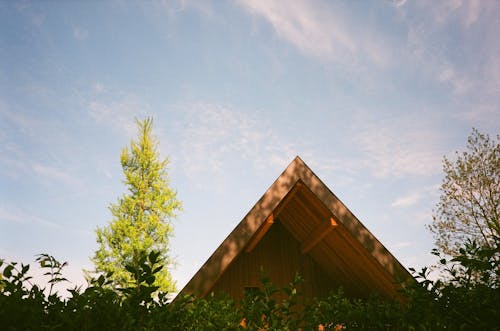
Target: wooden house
300, 226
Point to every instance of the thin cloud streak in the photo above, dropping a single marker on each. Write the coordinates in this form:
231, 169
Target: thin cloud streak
406, 201
53, 173
116, 110
22, 122
16, 163
471, 73
320, 31
402, 244
422, 195
400, 147
10, 216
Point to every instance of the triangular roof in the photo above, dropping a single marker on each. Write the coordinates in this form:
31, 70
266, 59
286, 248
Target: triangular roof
323, 225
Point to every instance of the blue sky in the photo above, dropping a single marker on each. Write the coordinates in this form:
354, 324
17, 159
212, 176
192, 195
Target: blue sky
371, 95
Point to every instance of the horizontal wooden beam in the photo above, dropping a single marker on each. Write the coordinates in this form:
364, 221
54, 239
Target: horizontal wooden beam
317, 235
260, 233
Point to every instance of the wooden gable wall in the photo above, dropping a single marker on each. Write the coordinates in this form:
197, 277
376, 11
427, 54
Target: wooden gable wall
277, 256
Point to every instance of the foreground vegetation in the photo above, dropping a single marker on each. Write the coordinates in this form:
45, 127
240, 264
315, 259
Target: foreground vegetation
466, 297
128, 293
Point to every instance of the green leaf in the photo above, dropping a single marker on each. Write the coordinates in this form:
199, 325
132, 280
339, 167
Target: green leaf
100, 280
150, 280
7, 272
130, 269
25, 269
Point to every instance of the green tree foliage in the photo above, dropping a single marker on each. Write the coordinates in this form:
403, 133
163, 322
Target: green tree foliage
457, 304
142, 218
468, 209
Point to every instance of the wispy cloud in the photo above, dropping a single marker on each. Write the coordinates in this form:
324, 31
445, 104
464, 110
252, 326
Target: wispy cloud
11, 216
117, 110
210, 133
429, 36
437, 33
402, 244
467, 12
31, 11
398, 3
321, 31
12, 119
19, 156
99, 88
483, 114
172, 7
12, 160
52, 173
459, 83
80, 33
212, 138
212, 141
399, 146
15, 163
406, 201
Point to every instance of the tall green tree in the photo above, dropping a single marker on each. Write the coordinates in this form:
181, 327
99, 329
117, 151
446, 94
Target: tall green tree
468, 208
142, 217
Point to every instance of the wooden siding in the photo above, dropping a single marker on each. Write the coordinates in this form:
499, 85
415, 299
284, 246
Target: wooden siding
277, 256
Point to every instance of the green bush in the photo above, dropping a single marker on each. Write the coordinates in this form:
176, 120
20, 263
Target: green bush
466, 297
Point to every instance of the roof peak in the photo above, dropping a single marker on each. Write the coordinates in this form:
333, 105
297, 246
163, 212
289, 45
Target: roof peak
297, 177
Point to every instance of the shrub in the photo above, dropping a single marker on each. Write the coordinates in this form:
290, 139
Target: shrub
465, 298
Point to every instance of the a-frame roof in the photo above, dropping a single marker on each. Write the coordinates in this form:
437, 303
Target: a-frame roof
323, 226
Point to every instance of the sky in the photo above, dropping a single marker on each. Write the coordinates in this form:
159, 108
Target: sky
370, 94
